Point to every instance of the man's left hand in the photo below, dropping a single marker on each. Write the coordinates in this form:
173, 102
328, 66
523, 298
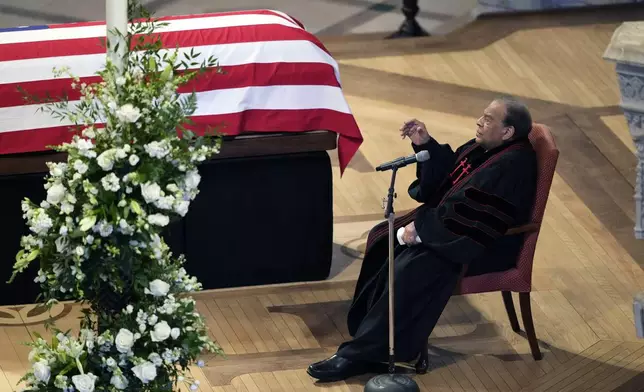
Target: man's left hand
409, 235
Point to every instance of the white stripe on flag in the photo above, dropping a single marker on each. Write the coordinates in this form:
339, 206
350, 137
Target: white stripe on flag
215, 102
20, 71
210, 22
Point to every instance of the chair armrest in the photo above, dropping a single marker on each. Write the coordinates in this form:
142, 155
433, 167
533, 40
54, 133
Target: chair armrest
527, 228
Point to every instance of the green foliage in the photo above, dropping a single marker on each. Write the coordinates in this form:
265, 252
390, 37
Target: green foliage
97, 236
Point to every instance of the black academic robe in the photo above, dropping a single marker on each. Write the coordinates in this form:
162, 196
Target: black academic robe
470, 198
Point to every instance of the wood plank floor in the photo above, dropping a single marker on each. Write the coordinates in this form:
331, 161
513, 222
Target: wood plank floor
588, 266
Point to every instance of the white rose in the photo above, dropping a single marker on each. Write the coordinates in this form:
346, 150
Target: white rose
151, 192
159, 288
165, 203
42, 372
175, 333
158, 220
119, 382
145, 372
106, 160
124, 341
66, 208
134, 159
161, 332
56, 193
128, 113
84, 382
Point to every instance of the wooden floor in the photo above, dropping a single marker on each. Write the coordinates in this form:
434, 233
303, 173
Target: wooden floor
588, 265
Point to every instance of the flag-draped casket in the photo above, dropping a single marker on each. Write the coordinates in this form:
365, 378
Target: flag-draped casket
278, 77
260, 219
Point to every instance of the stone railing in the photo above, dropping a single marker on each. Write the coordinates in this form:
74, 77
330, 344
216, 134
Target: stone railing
626, 49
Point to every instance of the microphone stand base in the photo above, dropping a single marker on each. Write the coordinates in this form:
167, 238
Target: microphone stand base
391, 383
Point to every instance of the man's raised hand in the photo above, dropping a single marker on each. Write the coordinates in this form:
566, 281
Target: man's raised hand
416, 131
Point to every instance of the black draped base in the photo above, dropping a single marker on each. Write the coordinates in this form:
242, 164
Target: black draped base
258, 220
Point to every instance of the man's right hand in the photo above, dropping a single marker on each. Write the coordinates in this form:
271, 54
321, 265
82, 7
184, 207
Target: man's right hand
416, 131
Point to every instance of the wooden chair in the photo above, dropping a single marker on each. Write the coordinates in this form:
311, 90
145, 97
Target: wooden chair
518, 279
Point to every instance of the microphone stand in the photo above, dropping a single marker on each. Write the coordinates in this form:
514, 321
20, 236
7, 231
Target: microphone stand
391, 382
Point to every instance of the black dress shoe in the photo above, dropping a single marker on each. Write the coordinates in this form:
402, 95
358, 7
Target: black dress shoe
337, 368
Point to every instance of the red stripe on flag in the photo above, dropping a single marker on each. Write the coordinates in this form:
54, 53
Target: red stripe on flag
275, 121
170, 40
247, 75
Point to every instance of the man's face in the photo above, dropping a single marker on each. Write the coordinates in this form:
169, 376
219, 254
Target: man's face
490, 130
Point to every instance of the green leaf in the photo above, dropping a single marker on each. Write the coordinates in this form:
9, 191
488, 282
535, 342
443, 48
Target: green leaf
88, 222
20, 255
32, 255
136, 207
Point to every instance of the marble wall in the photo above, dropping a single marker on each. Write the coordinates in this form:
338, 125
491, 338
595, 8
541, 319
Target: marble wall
494, 6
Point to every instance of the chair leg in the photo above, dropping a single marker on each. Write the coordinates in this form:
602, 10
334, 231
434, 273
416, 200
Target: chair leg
422, 365
509, 307
526, 313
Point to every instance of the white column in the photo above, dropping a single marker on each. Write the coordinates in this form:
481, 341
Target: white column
627, 50
117, 20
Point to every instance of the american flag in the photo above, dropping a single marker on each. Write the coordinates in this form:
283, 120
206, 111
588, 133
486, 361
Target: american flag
278, 77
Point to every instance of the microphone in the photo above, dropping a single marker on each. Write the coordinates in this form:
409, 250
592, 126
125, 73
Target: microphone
404, 161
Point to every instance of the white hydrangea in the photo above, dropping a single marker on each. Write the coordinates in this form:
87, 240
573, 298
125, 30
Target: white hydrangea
192, 180
181, 207
158, 149
158, 220
104, 228
40, 222
110, 182
165, 203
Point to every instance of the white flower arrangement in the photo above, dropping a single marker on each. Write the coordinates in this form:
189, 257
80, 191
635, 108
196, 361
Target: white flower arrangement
98, 232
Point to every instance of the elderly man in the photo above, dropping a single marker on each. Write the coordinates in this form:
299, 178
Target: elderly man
470, 198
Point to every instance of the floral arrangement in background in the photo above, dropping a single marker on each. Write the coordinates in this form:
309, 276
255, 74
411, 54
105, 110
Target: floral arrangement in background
98, 234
